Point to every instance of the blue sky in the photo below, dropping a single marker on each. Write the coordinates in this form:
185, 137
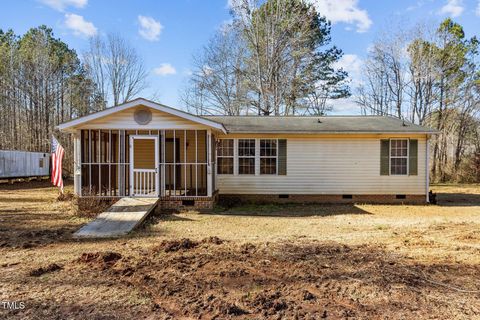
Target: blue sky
168, 33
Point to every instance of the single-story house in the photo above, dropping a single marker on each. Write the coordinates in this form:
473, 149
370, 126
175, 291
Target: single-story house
145, 149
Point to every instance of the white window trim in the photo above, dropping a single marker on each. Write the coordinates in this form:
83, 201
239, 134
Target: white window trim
235, 157
257, 156
232, 156
267, 157
254, 157
399, 157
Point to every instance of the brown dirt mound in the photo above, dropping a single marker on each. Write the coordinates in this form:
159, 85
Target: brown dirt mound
247, 248
176, 245
40, 271
213, 240
101, 260
268, 303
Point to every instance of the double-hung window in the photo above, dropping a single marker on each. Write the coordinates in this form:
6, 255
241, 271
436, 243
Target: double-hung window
246, 156
225, 156
268, 156
399, 156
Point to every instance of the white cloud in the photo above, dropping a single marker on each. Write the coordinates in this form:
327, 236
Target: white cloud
79, 25
346, 11
150, 28
453, 8
61, 5
353, 65
478, 9
165, 69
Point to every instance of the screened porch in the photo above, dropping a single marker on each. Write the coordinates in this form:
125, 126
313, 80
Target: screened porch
145, 163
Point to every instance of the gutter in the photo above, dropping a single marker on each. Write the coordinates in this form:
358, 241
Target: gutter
331, 132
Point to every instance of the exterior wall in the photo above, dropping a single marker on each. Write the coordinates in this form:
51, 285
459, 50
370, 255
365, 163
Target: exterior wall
330, 165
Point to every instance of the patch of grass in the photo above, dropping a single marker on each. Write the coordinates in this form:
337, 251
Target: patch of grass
258, 208
290, 209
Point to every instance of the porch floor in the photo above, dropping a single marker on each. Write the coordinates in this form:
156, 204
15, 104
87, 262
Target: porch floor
121, 218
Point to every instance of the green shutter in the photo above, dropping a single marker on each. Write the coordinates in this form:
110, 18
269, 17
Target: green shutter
413, 158
282, 157
385, 157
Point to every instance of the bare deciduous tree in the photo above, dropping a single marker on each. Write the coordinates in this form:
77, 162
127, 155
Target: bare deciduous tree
116, 67
217, 85
386, 67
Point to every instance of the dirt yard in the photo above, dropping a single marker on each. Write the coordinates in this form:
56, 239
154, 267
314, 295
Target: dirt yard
272, 262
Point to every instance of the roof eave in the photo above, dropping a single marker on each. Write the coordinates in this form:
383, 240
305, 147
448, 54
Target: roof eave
70, 125
329, 132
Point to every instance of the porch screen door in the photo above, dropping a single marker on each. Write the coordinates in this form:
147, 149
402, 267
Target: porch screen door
144, 173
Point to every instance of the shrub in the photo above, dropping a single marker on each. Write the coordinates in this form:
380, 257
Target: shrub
90, 207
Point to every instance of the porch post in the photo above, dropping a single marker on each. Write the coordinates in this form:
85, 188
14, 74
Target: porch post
427, 170
209, 163
77, 163
162, 166
121, 168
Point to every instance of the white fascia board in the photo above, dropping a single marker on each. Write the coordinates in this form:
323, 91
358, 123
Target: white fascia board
68, 126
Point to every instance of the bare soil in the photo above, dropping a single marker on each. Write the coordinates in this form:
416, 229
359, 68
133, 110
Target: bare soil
260, 262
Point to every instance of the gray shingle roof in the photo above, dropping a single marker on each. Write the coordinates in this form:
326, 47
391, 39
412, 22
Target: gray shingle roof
326, 124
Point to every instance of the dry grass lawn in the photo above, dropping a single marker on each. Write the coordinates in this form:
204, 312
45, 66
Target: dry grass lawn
291, 261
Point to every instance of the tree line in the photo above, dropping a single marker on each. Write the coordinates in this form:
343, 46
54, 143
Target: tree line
430, 76
44, 82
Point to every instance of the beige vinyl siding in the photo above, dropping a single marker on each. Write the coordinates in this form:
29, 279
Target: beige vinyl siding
333, 164
124, 120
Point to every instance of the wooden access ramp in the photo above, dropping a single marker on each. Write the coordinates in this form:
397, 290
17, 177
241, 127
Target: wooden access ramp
121, 218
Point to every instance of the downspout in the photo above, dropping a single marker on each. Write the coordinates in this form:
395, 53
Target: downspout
427, 169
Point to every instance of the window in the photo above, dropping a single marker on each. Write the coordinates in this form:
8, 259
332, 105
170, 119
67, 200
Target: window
246, 156
399, 156
268, 156
225, 156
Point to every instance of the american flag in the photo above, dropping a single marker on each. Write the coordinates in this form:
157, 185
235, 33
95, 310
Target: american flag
57, 156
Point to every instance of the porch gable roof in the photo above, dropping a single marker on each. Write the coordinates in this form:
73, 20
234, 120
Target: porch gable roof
66, 126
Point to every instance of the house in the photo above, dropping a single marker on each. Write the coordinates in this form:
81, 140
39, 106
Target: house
145, 149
